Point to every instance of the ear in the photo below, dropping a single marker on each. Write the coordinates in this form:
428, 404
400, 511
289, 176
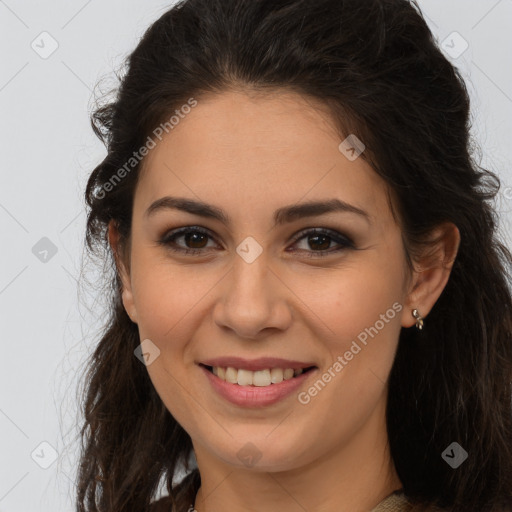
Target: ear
433, 272
126, 295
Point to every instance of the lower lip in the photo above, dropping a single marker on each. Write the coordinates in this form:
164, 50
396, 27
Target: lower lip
256, 396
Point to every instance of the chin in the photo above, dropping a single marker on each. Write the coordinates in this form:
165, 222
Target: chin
262, 452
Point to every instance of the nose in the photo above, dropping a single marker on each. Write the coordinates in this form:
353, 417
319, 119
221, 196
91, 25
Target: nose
252, 300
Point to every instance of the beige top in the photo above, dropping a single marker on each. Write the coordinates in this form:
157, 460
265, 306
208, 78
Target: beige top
395, 502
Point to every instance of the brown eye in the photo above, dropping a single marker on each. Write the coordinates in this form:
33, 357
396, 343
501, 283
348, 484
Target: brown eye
319, 241
195, 239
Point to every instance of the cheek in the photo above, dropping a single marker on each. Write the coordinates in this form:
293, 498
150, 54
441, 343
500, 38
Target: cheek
345, 302
166, 294
165, 297
358, 315
355, 313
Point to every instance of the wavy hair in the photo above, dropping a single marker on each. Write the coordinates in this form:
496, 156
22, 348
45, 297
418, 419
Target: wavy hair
377, 68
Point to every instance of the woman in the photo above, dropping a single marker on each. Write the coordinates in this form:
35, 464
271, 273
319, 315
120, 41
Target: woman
310, 304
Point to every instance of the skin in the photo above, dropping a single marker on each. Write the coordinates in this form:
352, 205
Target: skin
250, 154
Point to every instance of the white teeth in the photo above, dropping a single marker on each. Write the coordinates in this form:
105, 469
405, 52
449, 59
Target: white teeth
231, 375
276, 375
260, 378
244, 377
288, 373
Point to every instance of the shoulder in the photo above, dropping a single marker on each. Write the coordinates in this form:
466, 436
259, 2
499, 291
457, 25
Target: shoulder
395, 502
398, 502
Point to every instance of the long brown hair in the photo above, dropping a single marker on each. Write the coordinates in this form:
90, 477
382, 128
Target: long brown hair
377, 67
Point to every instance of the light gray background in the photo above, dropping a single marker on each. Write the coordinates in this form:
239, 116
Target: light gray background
48, 149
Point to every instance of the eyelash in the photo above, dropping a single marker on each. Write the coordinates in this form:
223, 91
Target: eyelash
169, 238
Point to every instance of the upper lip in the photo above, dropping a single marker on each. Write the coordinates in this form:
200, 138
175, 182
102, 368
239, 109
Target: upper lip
261, 363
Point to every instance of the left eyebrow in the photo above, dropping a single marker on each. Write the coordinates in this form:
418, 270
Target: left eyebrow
282, 215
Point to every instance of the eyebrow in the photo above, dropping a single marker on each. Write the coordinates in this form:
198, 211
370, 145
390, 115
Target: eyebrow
281, 216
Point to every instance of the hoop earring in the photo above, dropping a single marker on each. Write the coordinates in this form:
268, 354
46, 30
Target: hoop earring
419, 319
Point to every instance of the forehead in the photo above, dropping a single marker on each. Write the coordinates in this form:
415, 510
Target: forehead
244, 121
265, 149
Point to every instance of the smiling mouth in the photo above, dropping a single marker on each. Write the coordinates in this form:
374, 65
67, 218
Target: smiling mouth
260, 378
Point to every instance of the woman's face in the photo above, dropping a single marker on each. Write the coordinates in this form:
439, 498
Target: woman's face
261, 285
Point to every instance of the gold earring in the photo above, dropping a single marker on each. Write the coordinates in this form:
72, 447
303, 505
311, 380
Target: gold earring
419, 319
